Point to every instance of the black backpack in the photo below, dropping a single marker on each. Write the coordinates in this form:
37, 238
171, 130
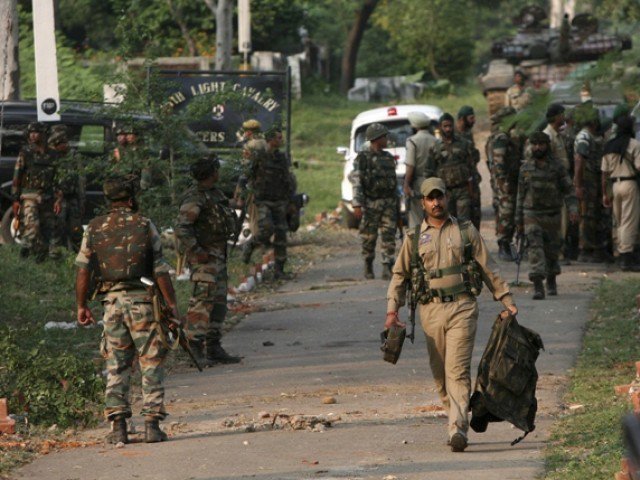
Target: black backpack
507, 376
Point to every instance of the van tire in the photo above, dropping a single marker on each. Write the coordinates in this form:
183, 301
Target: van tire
6, 237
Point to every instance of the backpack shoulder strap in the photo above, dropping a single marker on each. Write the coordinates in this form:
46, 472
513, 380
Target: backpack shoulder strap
415, 262
466, 241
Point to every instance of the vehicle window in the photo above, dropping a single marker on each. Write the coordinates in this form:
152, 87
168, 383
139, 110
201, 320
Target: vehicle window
11, 142
399, 131
88, 139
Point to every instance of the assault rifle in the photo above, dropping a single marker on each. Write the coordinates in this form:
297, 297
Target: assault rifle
169, 328
413, 301
521, 245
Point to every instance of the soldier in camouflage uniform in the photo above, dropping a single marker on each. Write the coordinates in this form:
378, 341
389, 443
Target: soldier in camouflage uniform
375, 199
130, 157
518, 96
504, 156
118, 249
587, 174
36, 198
451, 159
204, 225
466, 119
70, 183
270, 181
568, 134
543, 187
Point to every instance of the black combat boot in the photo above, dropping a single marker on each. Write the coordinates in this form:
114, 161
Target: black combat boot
152, 432
386, 271
278, 270
627, 263
538, 289
198, 351
504, 251
552, 287
458, 442
119, 430
217, 354
368, 269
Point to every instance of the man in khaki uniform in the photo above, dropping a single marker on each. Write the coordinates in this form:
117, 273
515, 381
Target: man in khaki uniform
620, 164
418, 147
518, 96
454, 261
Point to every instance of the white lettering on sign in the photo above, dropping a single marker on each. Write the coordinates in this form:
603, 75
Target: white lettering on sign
211, 137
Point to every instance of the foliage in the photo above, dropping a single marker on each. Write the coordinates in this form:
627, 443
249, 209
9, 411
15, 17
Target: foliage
588, 445
275, 25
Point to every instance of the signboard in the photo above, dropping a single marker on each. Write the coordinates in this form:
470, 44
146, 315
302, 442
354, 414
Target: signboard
230, 98
48, 96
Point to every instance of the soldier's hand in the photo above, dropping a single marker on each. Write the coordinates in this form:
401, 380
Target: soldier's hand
57, 207
85, 317
511, 310
606, 201
574, 217
393, 320
357, 212
16, 209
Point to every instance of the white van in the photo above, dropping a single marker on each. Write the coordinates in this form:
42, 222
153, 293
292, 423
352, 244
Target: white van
395, 119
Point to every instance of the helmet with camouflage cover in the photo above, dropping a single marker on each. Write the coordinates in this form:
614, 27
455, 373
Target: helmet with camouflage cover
205, 166
36, 127
119, 187
58, 135
375, 131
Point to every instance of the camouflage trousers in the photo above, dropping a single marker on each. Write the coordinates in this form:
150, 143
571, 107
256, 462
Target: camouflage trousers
476, 205
595, 220
495, 199
505, 223
460, 204
272, 222
70, 222
379, 215
544, 243
208, 302
39, 231
130, 330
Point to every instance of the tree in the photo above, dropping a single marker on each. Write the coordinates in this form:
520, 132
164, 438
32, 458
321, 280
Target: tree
9, 64
224, 31
350, 54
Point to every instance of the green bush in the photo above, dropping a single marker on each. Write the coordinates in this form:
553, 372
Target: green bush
50, 384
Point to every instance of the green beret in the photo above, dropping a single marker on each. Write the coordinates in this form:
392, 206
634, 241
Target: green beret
465, 111
204, 167
375, 131
119, 187
537, 138
446, 117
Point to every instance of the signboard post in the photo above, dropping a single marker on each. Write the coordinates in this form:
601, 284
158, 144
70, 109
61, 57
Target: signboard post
47, 93
244, 30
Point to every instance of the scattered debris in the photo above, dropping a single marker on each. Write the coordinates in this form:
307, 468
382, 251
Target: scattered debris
575, 408
268, 344
119, 445
280, 421
329, 400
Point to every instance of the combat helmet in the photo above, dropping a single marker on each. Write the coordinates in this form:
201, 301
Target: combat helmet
205, 166
375, 131
36, 127
119, 187
58, 135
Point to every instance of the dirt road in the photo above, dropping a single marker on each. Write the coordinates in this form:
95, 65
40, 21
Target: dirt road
317, 337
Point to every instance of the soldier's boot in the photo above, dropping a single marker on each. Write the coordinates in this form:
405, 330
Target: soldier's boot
368, 269
217, 354
504, 251
458, 442
627, 263
386, 271
552, 287
198, 351
538, 289
152, 432
119, 432
278, 272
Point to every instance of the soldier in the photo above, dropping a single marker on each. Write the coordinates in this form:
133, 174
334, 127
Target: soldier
204, 225
375, 199
451, 159
119, 248
70, 183
568, 134
464, 126
518, 96
36, 198
543, 186
130, 157
505, 156
418, 148
587, 181
269, 179
620, 164
453, 261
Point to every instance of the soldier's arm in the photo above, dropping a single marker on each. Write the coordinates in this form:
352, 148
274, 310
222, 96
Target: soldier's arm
401, 272
522, 191
581, 150
83, 276
431, 166
490, 272
356, 180
410, 165
161, 270
498, 165
185, 225
18, 173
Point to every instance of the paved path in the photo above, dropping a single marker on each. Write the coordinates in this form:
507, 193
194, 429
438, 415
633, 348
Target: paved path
318, 336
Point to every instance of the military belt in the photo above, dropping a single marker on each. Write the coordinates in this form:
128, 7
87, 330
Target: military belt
452, 298
621, 179
442, 272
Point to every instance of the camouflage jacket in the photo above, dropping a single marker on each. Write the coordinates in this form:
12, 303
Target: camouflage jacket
468, 136
205, 221
34, 172
270, 177
452, 162
517, 97
542, 189
119, 248
504, 157
586, 145
132, 161
374, 177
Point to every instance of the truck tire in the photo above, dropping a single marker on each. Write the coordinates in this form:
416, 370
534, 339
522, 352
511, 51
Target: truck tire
6, 236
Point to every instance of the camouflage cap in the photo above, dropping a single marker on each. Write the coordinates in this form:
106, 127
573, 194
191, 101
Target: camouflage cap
119, 187
205, 166
431, 184
58, 137
418, 119
502, 113
538, 138
251, 124
36, 127
375, 131
465, 111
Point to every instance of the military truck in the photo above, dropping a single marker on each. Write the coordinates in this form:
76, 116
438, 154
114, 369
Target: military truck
546, 55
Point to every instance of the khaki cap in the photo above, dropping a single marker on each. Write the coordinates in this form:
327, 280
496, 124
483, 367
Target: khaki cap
431, 184
418, 119
251, 124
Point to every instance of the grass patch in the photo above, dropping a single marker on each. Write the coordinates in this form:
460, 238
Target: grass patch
589, 445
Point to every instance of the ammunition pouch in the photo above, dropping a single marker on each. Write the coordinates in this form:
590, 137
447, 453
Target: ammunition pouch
392, 341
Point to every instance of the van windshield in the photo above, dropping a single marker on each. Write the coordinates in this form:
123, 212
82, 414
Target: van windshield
399, 131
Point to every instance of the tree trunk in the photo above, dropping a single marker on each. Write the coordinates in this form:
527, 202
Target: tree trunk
176, 12
350, 55
9, 65
222, 9
557, 10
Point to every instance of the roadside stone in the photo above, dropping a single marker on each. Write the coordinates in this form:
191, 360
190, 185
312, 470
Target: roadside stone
329, 400
119, 445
